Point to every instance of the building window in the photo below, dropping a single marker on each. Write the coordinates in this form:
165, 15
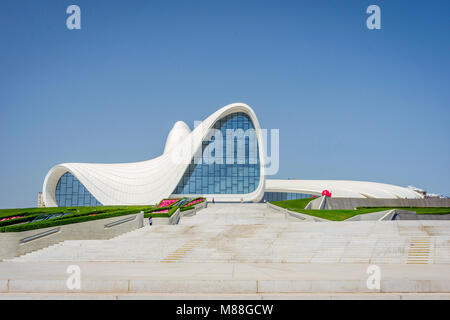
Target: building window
239, 170
70, 192
281, 196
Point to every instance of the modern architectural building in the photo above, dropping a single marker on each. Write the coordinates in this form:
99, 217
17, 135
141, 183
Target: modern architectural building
40, 201
221, 158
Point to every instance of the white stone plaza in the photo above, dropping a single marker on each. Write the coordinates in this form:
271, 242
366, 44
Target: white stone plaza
241, 251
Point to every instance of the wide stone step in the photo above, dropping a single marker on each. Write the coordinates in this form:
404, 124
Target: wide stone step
222, 278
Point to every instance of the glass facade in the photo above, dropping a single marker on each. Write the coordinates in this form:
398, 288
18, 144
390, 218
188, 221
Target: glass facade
229, 166
70, 192
280, 196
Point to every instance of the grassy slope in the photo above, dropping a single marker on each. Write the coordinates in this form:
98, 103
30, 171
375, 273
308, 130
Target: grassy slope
28, 211
340, 215
293, 204
78, 214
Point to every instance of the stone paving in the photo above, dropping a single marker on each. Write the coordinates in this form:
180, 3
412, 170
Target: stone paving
254, 233
248, 250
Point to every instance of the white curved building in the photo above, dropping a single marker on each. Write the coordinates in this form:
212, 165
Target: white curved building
222, 158
342, 189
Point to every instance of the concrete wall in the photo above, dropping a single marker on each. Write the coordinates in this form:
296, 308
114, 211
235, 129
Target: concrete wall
294, 214
408, 215
175, 218
314, 204
193, 212
14, 244
399, 215
373, 216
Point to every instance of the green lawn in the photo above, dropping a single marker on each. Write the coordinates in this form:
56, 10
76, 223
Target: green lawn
37, 218
16, 220
28, 211
340, 215
293, 204
30, 218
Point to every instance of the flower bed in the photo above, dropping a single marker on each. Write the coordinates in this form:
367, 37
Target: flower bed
183, 201
167, 202
161, 211
10, 218
194, 202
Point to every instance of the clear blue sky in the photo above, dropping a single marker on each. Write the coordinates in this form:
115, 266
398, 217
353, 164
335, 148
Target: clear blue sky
350, 103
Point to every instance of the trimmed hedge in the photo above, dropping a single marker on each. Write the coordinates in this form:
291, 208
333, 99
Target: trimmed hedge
161, 215
4, 213
30, 217
66, 220
18, 220
203, 200
79, 214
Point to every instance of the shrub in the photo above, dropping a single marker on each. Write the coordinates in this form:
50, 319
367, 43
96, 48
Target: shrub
195, 201
161, 215
73, 218
84, 214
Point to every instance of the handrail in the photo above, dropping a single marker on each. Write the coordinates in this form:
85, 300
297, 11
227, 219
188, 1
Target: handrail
115, 223
387, 213
39, 235
323, 203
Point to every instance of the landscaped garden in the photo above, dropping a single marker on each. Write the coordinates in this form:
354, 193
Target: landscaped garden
15, 220
299, 205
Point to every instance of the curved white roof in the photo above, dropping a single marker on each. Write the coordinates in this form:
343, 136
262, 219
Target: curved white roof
147, 182
342, 188
179, 131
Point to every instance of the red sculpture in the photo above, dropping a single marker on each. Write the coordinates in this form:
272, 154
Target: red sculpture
326, 193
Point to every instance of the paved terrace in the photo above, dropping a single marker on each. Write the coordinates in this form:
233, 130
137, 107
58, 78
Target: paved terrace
245, 249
